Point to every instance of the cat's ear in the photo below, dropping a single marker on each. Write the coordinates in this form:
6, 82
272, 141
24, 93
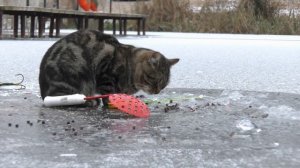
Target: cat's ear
173, 61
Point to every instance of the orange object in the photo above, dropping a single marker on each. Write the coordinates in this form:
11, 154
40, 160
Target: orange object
126, 103
88, 5
93, 6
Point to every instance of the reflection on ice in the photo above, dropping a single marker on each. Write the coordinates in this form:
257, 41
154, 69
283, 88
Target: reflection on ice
284, 112
245, 125
232, 95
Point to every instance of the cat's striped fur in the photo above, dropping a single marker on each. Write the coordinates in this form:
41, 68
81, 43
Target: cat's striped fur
90, 62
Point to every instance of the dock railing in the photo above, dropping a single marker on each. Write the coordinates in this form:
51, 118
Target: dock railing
20, 13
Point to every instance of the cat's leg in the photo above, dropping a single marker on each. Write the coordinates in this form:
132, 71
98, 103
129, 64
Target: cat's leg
60, 88
106, 86
87, 88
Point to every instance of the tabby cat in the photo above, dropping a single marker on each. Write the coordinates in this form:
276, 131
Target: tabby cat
89, 62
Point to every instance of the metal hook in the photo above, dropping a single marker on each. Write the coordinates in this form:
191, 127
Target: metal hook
16, 84
21, 80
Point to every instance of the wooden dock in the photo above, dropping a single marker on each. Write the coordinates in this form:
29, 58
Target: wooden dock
56, 16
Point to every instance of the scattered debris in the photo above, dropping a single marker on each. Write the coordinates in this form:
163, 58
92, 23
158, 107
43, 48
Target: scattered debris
171, 106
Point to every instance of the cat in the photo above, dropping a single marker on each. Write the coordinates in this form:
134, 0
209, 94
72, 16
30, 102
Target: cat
90, 62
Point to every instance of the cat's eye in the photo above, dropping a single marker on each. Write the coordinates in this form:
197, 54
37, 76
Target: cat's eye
147, 81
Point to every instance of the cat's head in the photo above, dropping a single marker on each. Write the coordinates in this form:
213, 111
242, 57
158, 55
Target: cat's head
152, 72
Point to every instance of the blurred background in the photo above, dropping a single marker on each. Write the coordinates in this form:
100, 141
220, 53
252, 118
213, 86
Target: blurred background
206, 16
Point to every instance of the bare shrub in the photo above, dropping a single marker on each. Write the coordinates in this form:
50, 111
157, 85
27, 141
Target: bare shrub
246, 16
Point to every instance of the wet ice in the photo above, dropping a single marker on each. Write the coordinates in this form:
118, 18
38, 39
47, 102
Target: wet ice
245, 125
198, 137
283, 112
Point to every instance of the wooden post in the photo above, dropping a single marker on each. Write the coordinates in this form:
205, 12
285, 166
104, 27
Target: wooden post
32, 26
1, 17
86, 23
80, 23
139, 26
121, 26
144, 26
41, 25
114, 26
22, 26
16, 25
45, 3
101, 25
27, 3
51, 29
57, 28
125, 27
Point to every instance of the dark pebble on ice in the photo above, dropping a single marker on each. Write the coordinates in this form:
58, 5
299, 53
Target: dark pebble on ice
72, 121
81, 128
17, 125
54, 133
75, 133
73, 129
169, 127
43, 122
164, 138
133, 127
28, 122
120, 137
265, 115
197, 128
211, 104
9, 124
68, 122
140, 96
25, 98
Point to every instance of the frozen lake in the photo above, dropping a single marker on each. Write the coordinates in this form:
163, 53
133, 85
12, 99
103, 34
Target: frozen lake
209, 61
203, 127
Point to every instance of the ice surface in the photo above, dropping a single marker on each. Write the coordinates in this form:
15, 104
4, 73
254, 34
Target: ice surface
207, 127
235, 62
211, 61
245, 125
283, 112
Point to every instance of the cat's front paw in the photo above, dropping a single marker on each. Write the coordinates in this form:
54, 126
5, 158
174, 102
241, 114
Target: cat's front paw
105, 102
